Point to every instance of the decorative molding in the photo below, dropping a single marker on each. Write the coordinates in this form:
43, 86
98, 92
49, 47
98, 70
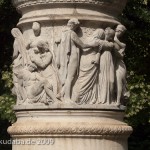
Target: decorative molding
69, 128
22, 3
110, 4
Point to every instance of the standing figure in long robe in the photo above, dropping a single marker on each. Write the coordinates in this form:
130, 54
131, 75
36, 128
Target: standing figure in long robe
106, 72
85, 90
69, 57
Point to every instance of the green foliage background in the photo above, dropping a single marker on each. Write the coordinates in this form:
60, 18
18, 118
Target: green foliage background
136, 17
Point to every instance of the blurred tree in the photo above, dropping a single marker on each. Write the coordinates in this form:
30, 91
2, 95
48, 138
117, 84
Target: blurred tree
136, 17
8, 19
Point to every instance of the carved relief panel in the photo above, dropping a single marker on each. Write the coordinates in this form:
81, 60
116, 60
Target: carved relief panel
69, 64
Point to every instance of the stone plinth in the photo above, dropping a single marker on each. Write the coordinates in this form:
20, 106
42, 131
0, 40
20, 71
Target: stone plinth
69, 76
66, 129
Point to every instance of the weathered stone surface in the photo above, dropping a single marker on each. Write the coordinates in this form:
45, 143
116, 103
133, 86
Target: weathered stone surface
69, 75
87, 70
68, 128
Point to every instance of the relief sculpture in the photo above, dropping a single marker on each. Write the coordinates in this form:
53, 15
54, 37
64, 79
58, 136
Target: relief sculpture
69, 57
85, 90
37, 88
90, 72
40, 81
102, 72
19, 62
106, 75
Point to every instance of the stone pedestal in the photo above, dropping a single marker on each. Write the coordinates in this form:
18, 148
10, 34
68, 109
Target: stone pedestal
65, 125
86, 129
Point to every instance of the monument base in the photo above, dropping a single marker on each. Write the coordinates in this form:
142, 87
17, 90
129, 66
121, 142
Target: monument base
65, 129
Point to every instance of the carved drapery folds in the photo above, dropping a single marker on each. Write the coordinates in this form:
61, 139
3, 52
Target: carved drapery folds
69, 75
89, 71
35, 78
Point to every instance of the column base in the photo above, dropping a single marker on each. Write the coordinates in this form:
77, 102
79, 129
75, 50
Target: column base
70, 130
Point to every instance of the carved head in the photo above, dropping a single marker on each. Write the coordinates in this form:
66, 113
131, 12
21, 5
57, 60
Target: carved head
36, 28
43, 46
109, 34
120, 30
73, 23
